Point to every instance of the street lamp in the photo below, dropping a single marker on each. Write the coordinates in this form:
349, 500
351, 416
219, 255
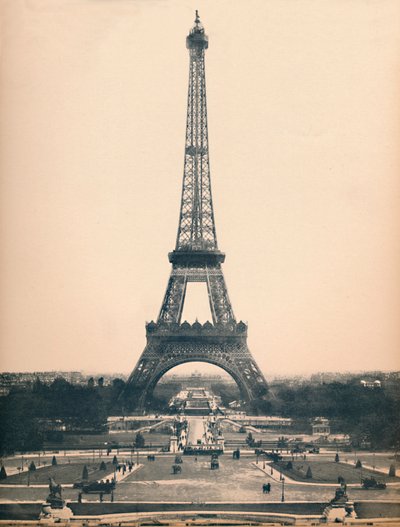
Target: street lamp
283, 489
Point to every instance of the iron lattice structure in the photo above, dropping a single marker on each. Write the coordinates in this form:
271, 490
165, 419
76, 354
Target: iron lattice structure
196, 258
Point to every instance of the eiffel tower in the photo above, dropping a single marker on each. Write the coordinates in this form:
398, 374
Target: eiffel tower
196, 258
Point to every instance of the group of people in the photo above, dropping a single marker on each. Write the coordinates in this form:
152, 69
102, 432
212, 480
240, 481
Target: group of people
267, 488
124, 467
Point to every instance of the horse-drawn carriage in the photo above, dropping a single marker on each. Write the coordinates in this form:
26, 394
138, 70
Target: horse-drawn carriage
214, 462
372, 484
176, 469
95, 487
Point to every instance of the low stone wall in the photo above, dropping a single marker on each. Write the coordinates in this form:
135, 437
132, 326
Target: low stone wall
82, 509
377, 509
20, 511
364, 509
26, 511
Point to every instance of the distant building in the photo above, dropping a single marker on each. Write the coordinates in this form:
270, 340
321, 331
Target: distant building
258, 421
371, 384
321, 427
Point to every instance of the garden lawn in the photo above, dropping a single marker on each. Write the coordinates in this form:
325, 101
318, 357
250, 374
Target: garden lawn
61, 473
328, 472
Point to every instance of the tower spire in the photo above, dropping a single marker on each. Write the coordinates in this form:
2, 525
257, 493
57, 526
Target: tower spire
196, 230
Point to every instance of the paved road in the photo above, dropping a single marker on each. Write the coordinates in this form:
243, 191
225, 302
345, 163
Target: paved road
236, 479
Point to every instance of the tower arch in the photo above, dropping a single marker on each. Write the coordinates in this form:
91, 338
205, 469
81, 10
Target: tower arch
158, 375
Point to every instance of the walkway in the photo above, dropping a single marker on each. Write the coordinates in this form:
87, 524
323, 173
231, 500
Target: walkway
196, 429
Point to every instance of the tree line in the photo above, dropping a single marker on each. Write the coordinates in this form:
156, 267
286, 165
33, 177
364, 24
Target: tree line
81, 408
367, 415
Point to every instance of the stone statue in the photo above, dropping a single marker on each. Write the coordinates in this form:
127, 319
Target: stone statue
55, 497
54, 507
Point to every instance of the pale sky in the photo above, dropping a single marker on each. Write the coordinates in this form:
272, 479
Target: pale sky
304, 130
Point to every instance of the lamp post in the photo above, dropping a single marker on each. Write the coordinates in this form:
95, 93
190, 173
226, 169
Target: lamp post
283, 489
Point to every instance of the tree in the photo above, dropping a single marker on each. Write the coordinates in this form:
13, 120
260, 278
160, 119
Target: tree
3, 473
337, 459
358, 464
100, 382
309, 473
289, 465
139, 440
54, 461
115, 460
103, 466
392, 471
90, 382
85, 473
32, 467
